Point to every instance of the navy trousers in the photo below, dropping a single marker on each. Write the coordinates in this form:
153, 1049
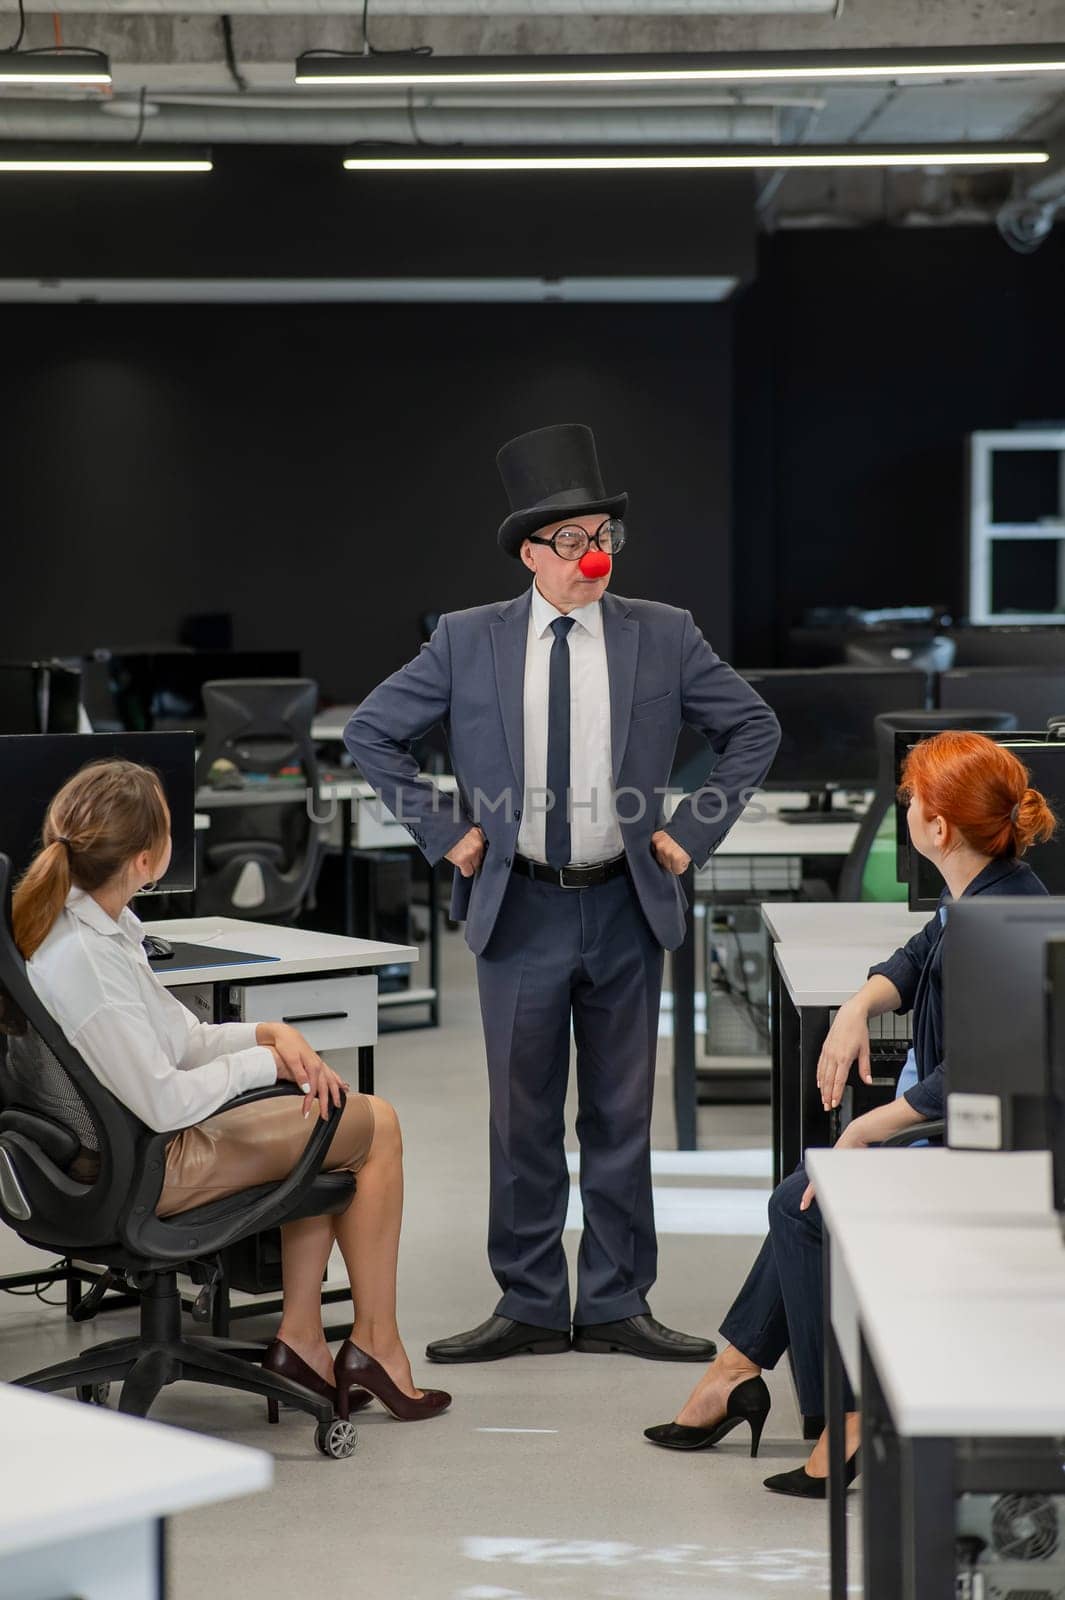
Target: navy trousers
558, 958
780, 1306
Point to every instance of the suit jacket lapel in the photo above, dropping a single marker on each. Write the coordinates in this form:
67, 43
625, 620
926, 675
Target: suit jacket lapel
509, 637
621, 633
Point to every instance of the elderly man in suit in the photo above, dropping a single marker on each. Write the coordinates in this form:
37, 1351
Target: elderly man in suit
562, 710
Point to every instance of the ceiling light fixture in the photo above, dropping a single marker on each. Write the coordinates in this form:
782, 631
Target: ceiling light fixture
114, 158
451, 158
388, 70
54, 66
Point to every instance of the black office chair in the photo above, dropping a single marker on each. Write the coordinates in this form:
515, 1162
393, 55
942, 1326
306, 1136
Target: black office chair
886, 726
924, 652
58, 1127
260, 860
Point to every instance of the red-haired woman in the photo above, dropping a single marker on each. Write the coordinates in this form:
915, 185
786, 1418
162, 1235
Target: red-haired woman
971, 813
105, 837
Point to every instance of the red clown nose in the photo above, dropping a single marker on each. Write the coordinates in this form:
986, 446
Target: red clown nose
594, 563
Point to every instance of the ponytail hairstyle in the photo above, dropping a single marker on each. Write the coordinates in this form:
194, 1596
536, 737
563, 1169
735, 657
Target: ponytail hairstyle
101, 818
981, 789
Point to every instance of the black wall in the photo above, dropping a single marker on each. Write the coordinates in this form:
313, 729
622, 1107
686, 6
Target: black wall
327, 473
863, 359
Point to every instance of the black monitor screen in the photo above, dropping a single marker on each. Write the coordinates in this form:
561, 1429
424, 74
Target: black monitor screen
34, 767
994, 1018
164, 687
1009, 647
828, 740
20, 706
1033, 694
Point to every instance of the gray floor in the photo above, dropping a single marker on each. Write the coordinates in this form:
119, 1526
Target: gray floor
537, 1485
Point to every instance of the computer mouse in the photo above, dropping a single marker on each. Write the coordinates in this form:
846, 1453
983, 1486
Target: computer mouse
157, 949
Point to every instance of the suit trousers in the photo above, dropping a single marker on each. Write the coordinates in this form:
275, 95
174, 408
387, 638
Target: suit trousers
780, 1306
587, 958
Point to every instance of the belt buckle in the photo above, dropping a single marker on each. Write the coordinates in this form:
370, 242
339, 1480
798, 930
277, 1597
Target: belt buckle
562, 878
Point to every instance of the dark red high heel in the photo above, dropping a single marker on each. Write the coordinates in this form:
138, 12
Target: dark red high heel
283, 1361
353, 1365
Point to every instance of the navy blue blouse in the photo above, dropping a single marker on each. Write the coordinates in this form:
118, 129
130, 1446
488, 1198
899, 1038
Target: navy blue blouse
916, 972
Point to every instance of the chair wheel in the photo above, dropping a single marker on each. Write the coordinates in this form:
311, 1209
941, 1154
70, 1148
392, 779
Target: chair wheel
336, 1439
94, 1394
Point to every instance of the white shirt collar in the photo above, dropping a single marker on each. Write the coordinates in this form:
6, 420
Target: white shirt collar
82, 905
544, 614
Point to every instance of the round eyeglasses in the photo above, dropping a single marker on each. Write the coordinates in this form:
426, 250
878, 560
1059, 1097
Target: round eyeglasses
572, 543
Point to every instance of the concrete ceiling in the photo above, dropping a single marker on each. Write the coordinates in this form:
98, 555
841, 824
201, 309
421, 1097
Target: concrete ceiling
179, 59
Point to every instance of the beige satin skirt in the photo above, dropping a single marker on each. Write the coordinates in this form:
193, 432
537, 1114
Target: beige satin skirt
260, 1143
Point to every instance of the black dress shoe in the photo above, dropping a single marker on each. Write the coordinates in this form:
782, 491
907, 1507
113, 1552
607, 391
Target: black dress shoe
747, 1402
497, 1338
642, 1336
800, 1484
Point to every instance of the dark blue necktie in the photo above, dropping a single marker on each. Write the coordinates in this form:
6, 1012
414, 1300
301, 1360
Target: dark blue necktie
557, 836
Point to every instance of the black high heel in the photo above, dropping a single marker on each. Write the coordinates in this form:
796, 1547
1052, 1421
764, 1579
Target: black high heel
283, 1361
801, 1486
748, 1402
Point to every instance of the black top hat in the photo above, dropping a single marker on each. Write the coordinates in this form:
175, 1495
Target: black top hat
549, 474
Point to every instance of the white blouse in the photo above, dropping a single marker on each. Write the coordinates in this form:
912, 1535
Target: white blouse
170, 1070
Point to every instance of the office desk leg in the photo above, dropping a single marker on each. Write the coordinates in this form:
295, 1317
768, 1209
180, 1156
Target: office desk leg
837, 1486
347, 866
928, 1517
682, 966
434, 946
778, 1001
812, 1120
366, 1069
879, 1480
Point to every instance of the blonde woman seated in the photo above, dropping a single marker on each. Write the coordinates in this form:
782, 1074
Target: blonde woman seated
106, 837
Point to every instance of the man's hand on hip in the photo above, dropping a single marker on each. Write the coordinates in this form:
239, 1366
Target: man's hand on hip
468, 854
669, 854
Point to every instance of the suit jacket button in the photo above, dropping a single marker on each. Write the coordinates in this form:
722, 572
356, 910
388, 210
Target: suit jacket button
506, 861
517, 816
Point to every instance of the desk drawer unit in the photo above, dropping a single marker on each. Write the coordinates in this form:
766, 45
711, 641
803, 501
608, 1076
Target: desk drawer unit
332, 1013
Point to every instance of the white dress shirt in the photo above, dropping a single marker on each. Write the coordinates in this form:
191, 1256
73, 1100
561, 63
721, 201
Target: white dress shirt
594, 831
170, 1070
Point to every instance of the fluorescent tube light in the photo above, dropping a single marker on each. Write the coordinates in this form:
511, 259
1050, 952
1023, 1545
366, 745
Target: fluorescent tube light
54, 67
449, 158
391, 71
117, 157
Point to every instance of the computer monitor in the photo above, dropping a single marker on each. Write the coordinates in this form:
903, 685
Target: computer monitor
1045, 760
33, 767
60, 698
165, 688
20, 710
826, 714
1007, 646
1033, 694
1056, 1066
995, 1020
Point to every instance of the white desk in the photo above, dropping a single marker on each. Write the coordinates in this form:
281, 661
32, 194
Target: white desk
85, 1492
940, 1263
833, 922
328, 726
287, 952
818, 975
806, 981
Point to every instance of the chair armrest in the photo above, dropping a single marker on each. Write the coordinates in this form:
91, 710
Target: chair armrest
261, 1214
920, 1130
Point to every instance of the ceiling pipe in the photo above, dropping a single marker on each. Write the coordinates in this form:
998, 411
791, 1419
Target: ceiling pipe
468, 9
255, 124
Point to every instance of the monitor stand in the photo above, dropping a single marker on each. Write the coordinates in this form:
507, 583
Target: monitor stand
819, 808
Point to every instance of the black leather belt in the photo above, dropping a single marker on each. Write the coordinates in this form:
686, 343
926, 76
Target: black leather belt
570, 877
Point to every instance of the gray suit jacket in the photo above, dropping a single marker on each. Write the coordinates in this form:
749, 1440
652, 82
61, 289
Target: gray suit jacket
470, 677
